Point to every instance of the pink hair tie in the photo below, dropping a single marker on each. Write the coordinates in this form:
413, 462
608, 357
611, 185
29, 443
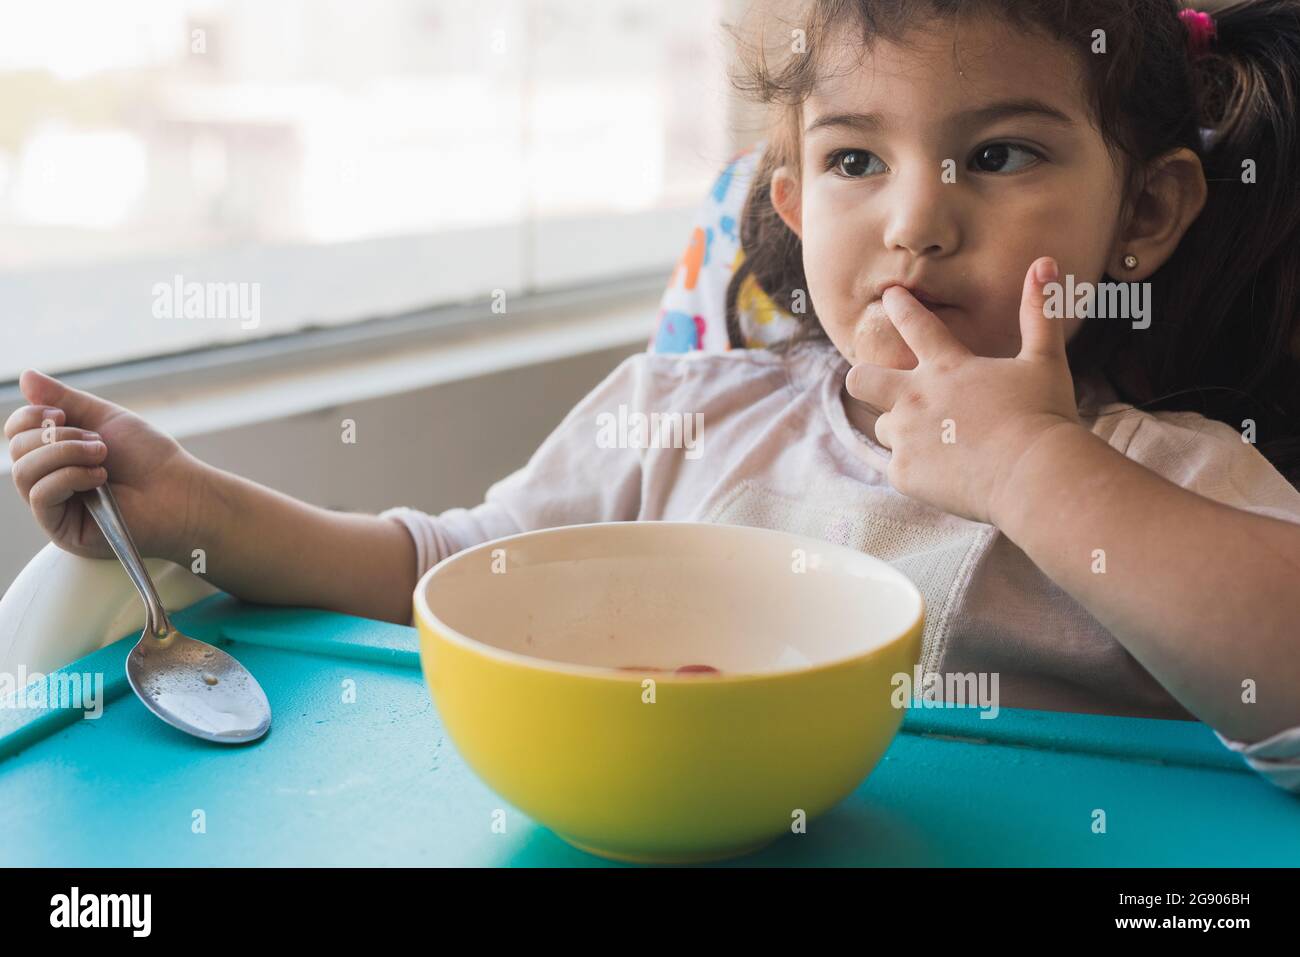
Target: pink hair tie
1200, 30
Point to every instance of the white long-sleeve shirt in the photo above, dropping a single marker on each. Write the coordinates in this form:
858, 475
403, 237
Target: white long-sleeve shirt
775, 449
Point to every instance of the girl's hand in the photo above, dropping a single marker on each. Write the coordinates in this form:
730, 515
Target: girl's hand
156, 483
958, 423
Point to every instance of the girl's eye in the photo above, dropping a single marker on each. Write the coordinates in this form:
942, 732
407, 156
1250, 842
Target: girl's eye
850, 163
855, 164
996, 154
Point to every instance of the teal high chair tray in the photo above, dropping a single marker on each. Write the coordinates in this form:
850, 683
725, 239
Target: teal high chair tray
356, 770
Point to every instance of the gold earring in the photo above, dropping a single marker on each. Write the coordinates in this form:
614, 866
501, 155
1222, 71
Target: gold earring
1130, 261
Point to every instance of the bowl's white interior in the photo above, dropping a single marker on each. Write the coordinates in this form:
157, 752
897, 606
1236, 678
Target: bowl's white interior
666, 594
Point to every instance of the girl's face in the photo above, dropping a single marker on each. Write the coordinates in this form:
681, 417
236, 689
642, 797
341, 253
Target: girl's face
947, 165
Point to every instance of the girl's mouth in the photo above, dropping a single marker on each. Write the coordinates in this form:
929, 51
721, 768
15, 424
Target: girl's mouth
874, 317
932, 304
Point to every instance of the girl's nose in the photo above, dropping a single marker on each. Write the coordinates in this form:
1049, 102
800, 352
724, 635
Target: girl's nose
922, 215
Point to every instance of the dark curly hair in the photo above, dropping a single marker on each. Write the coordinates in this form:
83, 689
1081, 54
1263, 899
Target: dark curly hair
1224, 339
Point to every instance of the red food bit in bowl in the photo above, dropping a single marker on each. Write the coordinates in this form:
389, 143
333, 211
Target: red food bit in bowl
697, 670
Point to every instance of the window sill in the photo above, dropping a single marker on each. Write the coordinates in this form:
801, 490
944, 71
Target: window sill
258, 382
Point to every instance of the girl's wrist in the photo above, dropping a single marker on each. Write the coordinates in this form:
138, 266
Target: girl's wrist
203, 516
1049, 450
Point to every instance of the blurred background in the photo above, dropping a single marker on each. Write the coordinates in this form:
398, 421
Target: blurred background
445, 220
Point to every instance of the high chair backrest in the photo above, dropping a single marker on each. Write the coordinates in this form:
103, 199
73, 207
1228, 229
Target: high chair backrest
692, 313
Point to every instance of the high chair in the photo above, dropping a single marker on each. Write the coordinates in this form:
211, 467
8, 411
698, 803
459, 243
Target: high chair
692, 313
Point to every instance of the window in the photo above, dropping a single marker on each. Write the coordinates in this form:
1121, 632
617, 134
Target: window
176, 174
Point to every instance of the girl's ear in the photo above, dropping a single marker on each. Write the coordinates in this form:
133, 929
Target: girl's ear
1168, 204
786, 197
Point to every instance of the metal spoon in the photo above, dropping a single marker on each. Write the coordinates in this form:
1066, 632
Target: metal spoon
188, 683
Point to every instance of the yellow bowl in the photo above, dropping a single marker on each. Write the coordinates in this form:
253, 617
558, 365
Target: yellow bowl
522, 640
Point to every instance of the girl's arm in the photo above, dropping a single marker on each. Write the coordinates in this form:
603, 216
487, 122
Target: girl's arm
258, 544
264, 546
1203, 595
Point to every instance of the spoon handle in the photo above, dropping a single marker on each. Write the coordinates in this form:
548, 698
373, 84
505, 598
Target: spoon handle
103, 507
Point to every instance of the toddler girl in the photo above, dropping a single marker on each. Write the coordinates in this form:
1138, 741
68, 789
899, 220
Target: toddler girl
1044, 261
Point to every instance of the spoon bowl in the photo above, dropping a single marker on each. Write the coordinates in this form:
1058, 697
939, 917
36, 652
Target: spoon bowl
198, 688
